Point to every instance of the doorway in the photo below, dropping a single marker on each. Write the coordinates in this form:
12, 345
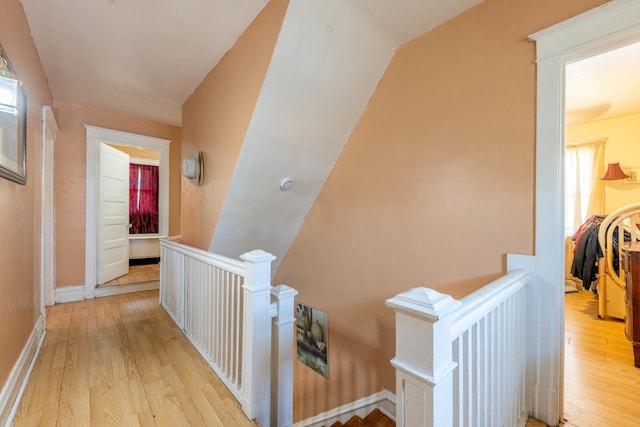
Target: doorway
601, 113
609, 26
96, 136
141, 225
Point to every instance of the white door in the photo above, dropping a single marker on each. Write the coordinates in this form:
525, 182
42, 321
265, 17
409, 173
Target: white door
113, 214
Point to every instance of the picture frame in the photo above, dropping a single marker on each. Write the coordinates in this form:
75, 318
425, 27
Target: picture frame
13, 124
312, 338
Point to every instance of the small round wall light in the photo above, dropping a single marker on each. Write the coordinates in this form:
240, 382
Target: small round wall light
286, 184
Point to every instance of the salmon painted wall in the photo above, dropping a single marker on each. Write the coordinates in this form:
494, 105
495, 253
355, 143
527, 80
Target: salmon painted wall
20, 205
622, 146
70, 177
215, 119
434, 187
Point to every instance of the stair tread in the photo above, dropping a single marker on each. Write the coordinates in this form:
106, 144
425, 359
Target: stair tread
378, 419
356, 421
374, 419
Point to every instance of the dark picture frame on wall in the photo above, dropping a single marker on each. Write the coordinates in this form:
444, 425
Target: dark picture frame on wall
13, 124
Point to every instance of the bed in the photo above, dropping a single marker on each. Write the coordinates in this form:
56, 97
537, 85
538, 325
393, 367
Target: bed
610, 278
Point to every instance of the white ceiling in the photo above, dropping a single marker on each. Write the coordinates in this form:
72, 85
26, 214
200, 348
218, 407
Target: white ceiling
140, 57
604, 86
146, 57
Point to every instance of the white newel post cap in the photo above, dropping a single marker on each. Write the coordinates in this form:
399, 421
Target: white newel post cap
257, 256
424, 303
283, 291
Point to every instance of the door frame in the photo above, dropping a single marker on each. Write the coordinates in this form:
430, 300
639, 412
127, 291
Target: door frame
611, 25
96, 135
48, 237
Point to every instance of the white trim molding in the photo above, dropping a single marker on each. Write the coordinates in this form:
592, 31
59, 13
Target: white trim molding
76, 293
48, 237
604, 28
17, 381
96, 135
126, 289
384, 400
69, 294
143, 161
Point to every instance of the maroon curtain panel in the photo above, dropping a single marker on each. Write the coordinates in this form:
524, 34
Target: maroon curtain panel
143, 199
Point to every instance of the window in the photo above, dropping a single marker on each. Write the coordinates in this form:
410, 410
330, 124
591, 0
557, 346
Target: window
143, 199
584, 192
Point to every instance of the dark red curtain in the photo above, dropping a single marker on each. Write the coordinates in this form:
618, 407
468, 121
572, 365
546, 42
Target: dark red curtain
143, 199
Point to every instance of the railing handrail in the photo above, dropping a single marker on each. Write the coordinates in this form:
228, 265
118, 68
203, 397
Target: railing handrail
442, 370
478, 303
254, 356
220, 261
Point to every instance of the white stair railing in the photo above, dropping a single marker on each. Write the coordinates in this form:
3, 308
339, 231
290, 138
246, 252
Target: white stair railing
463, 363
241, 325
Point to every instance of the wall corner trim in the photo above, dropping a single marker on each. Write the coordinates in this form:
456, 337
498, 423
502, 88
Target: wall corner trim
516, 261
383, 400
17, 381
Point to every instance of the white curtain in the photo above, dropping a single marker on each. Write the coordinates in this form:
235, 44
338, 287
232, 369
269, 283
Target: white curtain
584, 191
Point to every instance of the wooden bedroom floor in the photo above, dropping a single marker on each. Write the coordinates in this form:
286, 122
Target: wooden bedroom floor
137, 274
121, 361
602, 387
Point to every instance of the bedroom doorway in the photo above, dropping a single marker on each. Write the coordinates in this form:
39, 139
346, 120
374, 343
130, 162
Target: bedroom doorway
125, 141
601, 109
141, 191
599, 130
604, 28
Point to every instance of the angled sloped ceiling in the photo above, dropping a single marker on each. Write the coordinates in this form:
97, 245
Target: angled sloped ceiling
325, 66
328, 60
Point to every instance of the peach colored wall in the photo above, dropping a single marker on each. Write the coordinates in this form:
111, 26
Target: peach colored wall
434, 187
20, 205
70, 171
216, 117
622, 147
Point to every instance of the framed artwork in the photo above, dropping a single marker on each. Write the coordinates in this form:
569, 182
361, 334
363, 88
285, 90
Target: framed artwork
13, 124
311, 333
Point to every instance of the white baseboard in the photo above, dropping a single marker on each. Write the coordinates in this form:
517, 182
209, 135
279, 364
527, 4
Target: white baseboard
384, 400
76, 293
17, 381
69, 294
125, 289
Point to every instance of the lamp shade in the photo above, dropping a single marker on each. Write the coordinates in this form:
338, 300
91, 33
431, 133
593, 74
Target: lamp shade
614, 172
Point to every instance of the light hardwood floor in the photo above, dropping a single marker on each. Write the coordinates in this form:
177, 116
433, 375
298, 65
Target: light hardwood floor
602, 387
121, 361
137, 274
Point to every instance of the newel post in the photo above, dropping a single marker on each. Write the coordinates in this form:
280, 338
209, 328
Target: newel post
256, 340
282, 356
424, 363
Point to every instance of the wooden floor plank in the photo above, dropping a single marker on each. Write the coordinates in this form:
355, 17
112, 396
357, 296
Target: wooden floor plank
602, 387
121, 361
